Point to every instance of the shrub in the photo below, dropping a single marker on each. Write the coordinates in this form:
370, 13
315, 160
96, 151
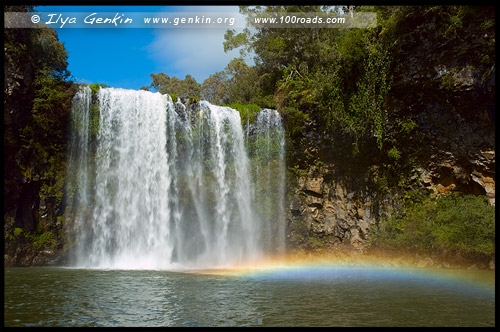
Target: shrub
96, 86
17, 231
46, 239
247, 112
462, 224
465, 224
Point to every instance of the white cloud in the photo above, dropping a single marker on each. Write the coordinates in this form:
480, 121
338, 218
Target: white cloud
195, 51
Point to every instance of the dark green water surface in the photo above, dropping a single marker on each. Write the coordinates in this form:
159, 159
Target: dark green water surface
305, 296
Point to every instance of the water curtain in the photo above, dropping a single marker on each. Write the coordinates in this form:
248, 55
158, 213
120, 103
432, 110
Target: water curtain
158, 184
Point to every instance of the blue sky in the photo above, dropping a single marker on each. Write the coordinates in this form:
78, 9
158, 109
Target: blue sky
126, 57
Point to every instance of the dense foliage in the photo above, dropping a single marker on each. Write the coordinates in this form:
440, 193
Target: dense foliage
340, 83
452, 224
237, 83
37, 100
162, 83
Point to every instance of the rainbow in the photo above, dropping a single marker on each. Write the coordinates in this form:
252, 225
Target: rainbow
353, 267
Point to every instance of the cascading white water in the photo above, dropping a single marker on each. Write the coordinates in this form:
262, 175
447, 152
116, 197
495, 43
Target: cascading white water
133, 177
269, 149
171, 185
77, 179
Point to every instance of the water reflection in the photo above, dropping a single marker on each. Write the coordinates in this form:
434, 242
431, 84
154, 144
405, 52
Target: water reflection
329, 296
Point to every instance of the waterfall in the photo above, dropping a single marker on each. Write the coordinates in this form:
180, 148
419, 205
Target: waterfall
167, 185
270, 174
79, 170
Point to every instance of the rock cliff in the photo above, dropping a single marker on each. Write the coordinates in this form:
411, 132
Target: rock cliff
450, 96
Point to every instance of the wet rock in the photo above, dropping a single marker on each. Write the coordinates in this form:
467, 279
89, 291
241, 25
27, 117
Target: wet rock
364, 228
313, 185
314, 201
355, 239
466, 78
426, 262
361, 213
27, 206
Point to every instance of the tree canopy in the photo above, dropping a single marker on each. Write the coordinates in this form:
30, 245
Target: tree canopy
38, 93
162, 83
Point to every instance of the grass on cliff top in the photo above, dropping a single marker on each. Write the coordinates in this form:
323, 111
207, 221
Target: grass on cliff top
452, 224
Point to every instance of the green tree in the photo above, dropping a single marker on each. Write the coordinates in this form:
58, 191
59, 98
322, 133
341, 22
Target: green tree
162, 83
215, 88
37, 101
242, 80
237, 83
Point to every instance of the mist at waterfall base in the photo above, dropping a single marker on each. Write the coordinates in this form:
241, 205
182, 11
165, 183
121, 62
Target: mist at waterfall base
156, 184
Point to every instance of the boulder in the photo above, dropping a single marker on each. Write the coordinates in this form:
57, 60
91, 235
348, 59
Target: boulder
487, 183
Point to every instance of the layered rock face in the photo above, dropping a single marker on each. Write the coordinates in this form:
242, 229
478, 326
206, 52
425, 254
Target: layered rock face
447, 88
330, 211
324, 211
456, 116
447, 83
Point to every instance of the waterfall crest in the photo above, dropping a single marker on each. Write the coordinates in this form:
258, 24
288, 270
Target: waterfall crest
163, 185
